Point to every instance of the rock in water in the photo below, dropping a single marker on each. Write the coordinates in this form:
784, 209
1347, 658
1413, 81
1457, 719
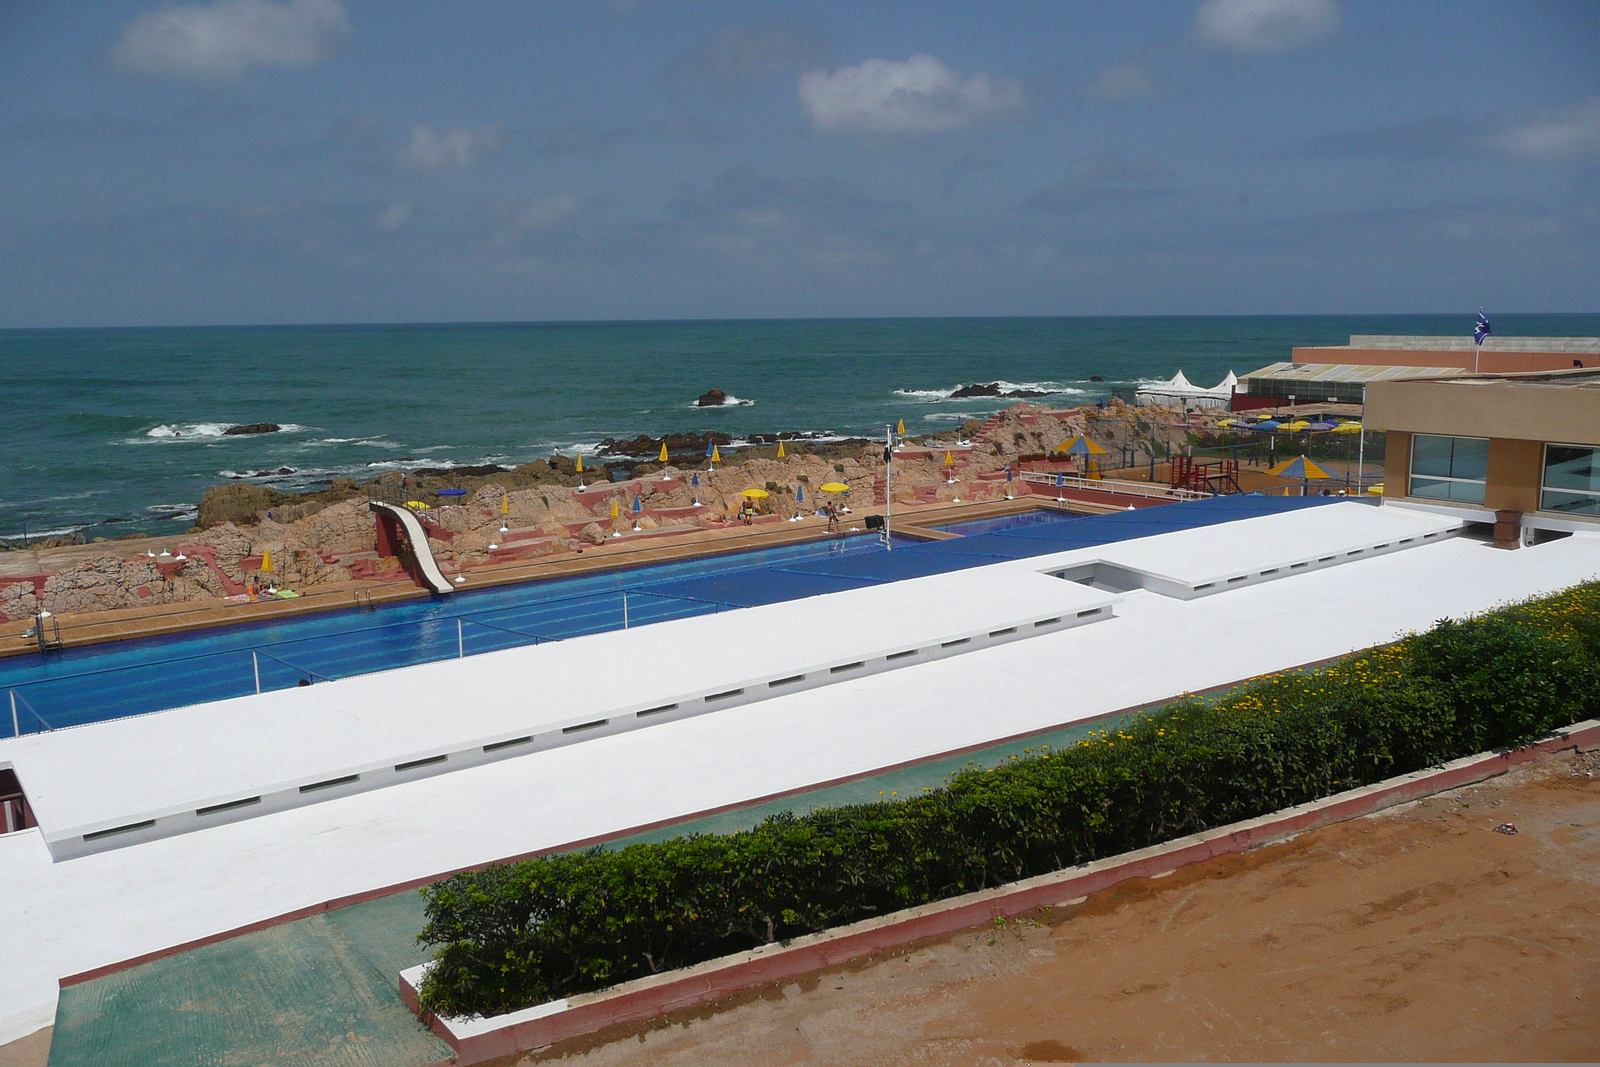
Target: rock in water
993, 389
712, 398
251, 428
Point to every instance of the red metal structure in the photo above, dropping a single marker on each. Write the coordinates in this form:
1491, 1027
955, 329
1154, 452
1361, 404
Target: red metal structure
1217, 477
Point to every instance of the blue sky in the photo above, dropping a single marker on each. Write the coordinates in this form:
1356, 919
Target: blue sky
270, 161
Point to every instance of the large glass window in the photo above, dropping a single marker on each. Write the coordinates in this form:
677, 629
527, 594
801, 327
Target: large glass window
1449, 468
1571, 480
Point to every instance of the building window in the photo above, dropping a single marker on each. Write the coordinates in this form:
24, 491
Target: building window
1571, 480
1449, 468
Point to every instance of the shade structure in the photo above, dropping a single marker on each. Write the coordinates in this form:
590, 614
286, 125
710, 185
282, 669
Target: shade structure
505, 503
1267, 424
663, 457
266, 559
900, 427
615, 509
638, 505
417, 505
1347, 427
1299, 467
694, 479
1296, 426
711, 448
799, 494
949, 458
579, 466
1080, 446
1223, 424
755, 494
1321, 427
716, 455
781, 453
451, 492
835, 487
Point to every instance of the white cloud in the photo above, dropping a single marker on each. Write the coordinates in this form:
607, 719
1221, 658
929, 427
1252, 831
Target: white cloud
918, 96
1573, 132
224, 39
394, 216
1263, 27
1124, 81
547, 211
454, 149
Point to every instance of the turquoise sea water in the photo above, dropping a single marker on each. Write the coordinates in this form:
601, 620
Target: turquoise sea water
125, 424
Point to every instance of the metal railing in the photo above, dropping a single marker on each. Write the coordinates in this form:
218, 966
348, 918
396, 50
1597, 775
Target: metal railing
431, 647
1109, 485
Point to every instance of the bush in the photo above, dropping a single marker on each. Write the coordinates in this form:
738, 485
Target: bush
510, 936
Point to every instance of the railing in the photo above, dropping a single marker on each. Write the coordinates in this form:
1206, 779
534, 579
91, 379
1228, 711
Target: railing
1108, 485
307, 660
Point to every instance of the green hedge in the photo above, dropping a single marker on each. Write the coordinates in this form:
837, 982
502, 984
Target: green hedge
511, 936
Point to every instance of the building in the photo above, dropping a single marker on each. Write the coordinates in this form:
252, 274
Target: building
1519, 450
1341, 373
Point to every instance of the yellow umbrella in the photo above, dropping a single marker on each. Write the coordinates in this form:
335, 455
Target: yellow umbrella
505, 503
1375, 490
835, 487
900, 427
1347, 427
1296, 426
614, 509
663, 457
756, 494
1223, 424
949, 459
266, 559
781, 453
417, 505
580, 462
716, 454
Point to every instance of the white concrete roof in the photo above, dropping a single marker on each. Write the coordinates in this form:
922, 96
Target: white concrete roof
63, 918
259, 753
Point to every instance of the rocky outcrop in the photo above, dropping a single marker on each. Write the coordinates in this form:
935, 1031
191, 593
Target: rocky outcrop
994, 389
711, 398
250, 429
100, 583
17, 601
592, 534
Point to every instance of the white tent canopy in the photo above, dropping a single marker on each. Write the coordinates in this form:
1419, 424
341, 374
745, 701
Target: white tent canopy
1180, 390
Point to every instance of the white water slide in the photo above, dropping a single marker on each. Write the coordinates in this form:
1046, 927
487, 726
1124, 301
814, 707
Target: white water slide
431, 576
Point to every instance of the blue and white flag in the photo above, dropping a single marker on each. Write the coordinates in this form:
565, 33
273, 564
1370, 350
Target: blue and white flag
1482, 329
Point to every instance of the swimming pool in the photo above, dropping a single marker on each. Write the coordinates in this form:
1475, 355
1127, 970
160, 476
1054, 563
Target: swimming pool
972, 527
98, 682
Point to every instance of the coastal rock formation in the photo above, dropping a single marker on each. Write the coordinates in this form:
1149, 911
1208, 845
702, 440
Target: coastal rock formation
251, 428
17, 601
592, 534
677, 444
994, 389
103, 582
712, 398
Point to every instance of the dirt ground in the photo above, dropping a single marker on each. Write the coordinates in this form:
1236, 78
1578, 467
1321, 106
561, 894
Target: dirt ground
1415, 934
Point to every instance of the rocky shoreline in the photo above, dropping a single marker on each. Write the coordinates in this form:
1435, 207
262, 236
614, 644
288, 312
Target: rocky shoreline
326, 538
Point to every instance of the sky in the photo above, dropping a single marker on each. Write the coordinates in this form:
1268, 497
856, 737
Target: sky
298, 161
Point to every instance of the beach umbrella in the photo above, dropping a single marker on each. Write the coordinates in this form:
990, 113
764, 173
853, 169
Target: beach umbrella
580, 463
799, 494
835, 487
1347, 427
1302, 468
694, 479
637, 506
663, 457
781, 453
716, 456
505, 503
1267, 424
711, 448
1223, 424
1296, 426
900, 427
417, 505
266, 559
949, 458
755, 494
615, 510
1080, 446
1321, 426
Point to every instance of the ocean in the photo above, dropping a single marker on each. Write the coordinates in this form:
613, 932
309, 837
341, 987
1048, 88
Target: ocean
109, 432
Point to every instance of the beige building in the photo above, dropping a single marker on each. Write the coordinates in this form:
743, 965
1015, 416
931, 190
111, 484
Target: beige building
1519, 450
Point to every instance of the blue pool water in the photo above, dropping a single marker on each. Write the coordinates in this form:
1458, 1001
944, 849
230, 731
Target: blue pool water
99, 682
1004, 522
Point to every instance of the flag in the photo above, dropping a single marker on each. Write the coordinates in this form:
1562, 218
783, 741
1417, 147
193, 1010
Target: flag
1482, 329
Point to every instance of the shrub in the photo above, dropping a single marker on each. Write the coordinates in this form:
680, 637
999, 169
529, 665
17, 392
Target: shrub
510, 936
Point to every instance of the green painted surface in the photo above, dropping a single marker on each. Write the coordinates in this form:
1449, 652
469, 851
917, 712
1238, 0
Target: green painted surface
323, 990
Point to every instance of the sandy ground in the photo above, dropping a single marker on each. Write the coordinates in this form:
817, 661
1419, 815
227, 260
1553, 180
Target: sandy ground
1415, 934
